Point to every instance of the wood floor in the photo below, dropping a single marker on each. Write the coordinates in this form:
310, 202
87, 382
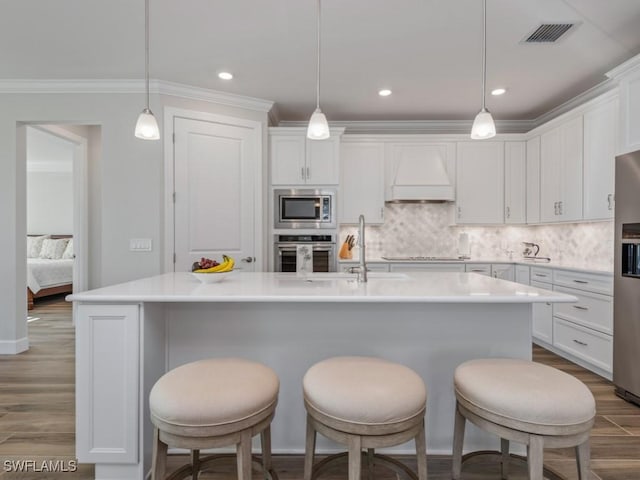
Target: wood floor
37, 418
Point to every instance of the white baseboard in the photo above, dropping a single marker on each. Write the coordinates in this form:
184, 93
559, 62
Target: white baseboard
12, 347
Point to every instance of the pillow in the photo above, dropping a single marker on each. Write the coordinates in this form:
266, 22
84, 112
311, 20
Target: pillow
53, 249
34, 245
68, 252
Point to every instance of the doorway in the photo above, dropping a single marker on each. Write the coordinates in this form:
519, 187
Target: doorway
57, 207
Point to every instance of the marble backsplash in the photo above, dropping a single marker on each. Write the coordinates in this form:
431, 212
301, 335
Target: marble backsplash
427, 229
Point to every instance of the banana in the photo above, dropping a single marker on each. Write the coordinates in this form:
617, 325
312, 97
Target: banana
226, 266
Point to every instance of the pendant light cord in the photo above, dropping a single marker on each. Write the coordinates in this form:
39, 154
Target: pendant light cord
146, 47
318, 66
484, 52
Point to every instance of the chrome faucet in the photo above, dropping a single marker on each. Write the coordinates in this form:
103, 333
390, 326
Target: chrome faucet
362, 273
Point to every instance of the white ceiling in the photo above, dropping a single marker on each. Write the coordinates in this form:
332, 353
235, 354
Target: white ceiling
426, 51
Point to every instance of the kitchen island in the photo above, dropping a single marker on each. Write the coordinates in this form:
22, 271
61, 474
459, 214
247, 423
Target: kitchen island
128, 335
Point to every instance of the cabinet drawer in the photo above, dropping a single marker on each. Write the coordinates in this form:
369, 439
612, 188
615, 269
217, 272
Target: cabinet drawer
584, 343
427, 267
481, 268
541, 274
591, 282
591, 310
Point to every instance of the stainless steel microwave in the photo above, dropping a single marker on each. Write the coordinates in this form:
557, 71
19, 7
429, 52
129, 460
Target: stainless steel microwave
304, 208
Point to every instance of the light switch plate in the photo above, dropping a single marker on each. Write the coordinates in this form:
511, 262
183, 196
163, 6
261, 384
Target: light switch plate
140, 244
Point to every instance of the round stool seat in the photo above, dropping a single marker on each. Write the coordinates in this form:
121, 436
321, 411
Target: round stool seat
211, 393
524, 395
364, 390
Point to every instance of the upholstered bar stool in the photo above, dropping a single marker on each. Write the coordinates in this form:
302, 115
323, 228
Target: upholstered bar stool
213, 403
525, 402
364, 403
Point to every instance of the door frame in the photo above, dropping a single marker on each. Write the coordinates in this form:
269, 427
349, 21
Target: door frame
80, 215
170, 114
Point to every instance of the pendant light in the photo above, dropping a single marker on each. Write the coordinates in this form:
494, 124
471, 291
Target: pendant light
318, 127
483, 125
147, 126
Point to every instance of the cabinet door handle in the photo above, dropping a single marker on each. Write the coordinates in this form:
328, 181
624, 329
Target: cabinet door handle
610, 201
308, 173
544, 275
459, 212
381, 213
548, 303
584, 344
580, 307
301, 173
555, 208
581, 281
508, 212
477, 270
560, 207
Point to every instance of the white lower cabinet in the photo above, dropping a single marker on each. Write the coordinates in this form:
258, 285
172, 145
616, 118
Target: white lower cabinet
542, 327
504, 271
523, 274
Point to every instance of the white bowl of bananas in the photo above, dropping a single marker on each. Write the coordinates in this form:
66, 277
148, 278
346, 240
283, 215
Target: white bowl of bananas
211, 271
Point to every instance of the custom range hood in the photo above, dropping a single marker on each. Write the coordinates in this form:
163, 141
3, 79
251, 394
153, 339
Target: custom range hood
420, 173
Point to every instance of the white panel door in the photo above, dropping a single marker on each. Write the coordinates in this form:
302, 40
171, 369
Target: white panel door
214, 193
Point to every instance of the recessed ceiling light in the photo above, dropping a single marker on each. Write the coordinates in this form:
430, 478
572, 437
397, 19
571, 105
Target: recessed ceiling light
225, 75
385, 92
498, 91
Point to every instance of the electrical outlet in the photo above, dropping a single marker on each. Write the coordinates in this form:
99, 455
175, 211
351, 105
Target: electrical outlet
140, 244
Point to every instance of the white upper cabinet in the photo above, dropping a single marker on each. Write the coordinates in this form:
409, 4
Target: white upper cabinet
599, 160
561, 172
480, 182
514, 182
361, 182
628, 77
296, 160
533, 180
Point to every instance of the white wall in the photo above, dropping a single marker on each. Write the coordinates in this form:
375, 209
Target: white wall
49, 183
125, 187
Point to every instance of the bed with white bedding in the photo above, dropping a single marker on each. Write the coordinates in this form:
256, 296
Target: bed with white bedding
49, 276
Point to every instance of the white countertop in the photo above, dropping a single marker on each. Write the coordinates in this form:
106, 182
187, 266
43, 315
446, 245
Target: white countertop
585, 268
421, 287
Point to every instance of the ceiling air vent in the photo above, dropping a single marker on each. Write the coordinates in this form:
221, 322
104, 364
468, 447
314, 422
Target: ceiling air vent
548, 32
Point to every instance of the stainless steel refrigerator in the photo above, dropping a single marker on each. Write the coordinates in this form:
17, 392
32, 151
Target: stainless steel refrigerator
626, 286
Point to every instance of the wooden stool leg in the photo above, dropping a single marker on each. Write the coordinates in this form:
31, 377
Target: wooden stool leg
309, 449
504, 463
195, 464
458, 440
370, 453
421, 453
355, 457
265, 441
535, 457
243, 452
159, 457
583, 455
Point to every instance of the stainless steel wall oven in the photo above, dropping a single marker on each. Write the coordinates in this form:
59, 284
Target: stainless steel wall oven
321, 247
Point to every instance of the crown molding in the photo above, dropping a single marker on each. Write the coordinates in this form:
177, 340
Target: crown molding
624, 68
577, 101
159, 87
213, 96
413, 127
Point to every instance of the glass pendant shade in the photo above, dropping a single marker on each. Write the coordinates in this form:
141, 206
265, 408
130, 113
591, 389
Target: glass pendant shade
483, 126
318, 127
147, 126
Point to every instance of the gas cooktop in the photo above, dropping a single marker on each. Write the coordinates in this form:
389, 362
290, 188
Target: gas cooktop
425, 259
